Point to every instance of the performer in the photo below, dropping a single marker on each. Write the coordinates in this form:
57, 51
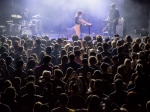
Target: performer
25, 15
113, 18
78, 22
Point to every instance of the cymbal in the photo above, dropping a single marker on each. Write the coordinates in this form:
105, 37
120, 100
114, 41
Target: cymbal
9, 21
35, 20
35, 16
16, 16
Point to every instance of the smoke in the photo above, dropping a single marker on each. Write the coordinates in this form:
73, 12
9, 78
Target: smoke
60, 13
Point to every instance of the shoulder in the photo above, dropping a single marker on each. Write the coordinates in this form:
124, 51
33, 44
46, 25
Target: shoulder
4, 108
91, 68
24, 72
132, 89
112, 94
24, 96
55, 109
124, 106
116, 10
38, 67
80, 68
52, 56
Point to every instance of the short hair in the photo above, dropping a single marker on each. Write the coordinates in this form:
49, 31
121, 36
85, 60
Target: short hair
58, 73
38, 41
139, 67
31, 78
63, 98
46, 74
106, 59
98, 44
119, 50
105, 46
64, 59
19, 63
16, 81
98, 83
63, 52
93, 60
119, 43
56, 46
79, 12
77, 53
10, 93
99, 56
92, 53
9, 60
20, 49
75, 37
75, 87
127, 61
118, 83
104, 67
121, 69
30, 88
59, 40
44, 108
116, 35
148, 106
76, 48
46, 59
128, 38
87, 38
115, 58
31, 64
113, 5
107, 39
99, 38
37, 106
84, 61
72, 57
7, 83
85, 56
48, 50
97, 74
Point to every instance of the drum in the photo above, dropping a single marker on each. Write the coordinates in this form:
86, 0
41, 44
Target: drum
9, 27
27, 31
24, 23
16, 28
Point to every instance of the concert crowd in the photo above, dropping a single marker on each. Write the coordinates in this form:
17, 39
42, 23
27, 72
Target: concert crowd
92, 74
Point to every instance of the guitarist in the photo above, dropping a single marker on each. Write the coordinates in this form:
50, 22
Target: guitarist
113, 18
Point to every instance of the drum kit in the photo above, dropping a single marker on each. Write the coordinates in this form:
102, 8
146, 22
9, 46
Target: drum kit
32, 27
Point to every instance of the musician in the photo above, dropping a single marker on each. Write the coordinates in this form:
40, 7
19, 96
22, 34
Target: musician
25, 15
113, 17
78, 22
